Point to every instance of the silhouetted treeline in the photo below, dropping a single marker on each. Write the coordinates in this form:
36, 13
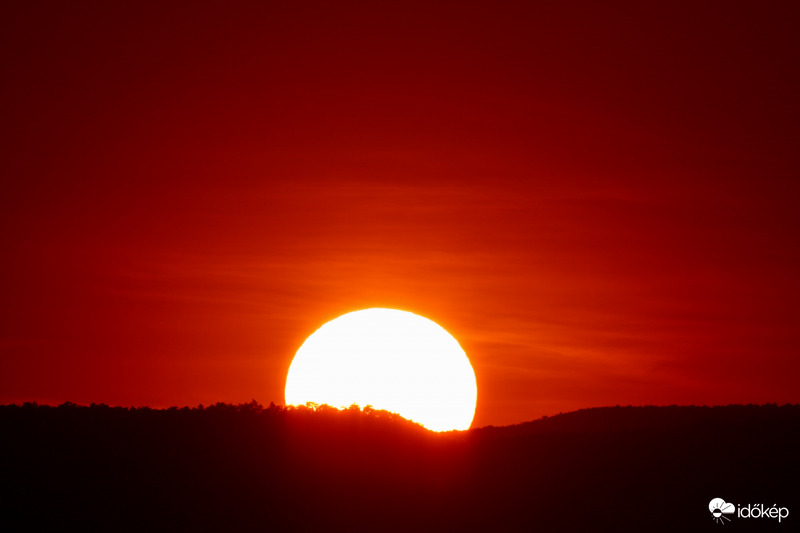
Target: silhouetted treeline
650, 417
252, 468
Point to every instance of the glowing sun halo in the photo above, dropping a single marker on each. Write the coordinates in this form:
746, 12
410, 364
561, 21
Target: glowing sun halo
389, 359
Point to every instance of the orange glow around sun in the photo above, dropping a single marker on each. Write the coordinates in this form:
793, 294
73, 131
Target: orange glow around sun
389, 359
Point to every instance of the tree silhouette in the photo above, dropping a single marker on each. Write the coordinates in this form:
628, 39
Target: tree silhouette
247, 467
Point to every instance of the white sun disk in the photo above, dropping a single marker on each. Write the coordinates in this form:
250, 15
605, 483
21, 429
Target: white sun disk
389, 359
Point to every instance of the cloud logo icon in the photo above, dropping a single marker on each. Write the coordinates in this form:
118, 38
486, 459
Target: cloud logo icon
719, 508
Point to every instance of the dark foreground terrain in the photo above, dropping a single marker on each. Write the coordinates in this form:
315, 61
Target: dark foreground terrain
247, 468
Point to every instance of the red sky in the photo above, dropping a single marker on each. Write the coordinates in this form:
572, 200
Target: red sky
598, 201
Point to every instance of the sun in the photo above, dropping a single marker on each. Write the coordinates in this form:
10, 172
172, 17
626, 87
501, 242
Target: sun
389, 359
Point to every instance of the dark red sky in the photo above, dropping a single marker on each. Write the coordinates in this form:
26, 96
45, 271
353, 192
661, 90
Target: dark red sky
599, 201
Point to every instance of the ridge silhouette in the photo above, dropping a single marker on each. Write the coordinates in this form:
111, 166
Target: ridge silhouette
314, 468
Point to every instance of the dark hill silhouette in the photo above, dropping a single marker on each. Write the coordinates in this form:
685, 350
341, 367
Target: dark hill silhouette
249, 468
